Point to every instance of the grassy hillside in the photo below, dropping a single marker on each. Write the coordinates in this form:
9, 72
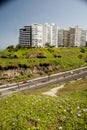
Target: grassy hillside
33, 62
34, 111
66, 57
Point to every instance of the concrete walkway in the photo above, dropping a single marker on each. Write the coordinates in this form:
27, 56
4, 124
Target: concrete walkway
53, 91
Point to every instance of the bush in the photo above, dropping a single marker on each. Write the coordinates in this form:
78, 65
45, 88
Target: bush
57, 56
82, 50
4, 56
41, 55
80, 56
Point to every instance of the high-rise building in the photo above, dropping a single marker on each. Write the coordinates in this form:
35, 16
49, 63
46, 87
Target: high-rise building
50, 34
54, 35
37, 35
80, 37
25, 36
60, 38
71, 37
66, 36
46, 34
74, 37
83, 38
41, 35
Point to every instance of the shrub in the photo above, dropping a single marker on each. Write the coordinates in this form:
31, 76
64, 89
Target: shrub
82, 50
80, 56
41, 55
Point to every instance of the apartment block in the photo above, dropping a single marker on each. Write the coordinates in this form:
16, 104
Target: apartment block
66, 36
25, 36
41, 35
37, 35
74, 37
54, 35
50, 34
60, 38
83, 38
80, 37
46, 34
71, 37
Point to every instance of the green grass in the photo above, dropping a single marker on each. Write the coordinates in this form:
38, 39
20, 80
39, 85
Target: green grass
69, 57
33, 111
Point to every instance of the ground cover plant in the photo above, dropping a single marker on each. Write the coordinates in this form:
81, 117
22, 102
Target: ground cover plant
67, 57
36, 62
34, 111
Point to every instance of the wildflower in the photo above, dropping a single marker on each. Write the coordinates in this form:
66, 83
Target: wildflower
78, 107
48, 113
60, 128
43, 108
64, 110
78, 114
60, 106
32, 103
71, 112
13, 123
85, 110
6, 101
38, 120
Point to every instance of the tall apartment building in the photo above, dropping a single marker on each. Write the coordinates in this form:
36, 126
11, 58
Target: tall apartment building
25, 36
71, 37
37, 35
60, 38
54, 35
74, 37
50, 34
66, 36
83, 38
80, 37
46, 34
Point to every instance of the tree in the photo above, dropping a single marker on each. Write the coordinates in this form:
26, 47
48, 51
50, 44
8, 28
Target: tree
47, 44
18, 46
10, 48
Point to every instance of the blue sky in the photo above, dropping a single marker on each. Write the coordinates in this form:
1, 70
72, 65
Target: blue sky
14, 14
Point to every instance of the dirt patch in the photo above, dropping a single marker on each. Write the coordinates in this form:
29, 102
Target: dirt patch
53, 91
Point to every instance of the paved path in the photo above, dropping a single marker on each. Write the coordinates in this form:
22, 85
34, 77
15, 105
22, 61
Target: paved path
53, 91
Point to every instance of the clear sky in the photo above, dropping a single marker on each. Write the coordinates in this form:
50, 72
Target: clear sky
14, 14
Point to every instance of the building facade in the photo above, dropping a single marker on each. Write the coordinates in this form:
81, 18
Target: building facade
83, 38
60, 38
46, 34
37, 35
54, 35
71, 37
80, 37
66, 36
50, 34
25, 36
42, 35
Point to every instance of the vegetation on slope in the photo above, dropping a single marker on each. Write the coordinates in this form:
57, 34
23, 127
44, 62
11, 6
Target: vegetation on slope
66, 57
25, 63
68, 111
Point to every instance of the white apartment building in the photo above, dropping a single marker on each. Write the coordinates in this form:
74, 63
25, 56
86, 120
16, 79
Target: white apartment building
54, 35
37, 35
77, 36
50, 34
46, 34
83, 38
25, 36
80, 37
